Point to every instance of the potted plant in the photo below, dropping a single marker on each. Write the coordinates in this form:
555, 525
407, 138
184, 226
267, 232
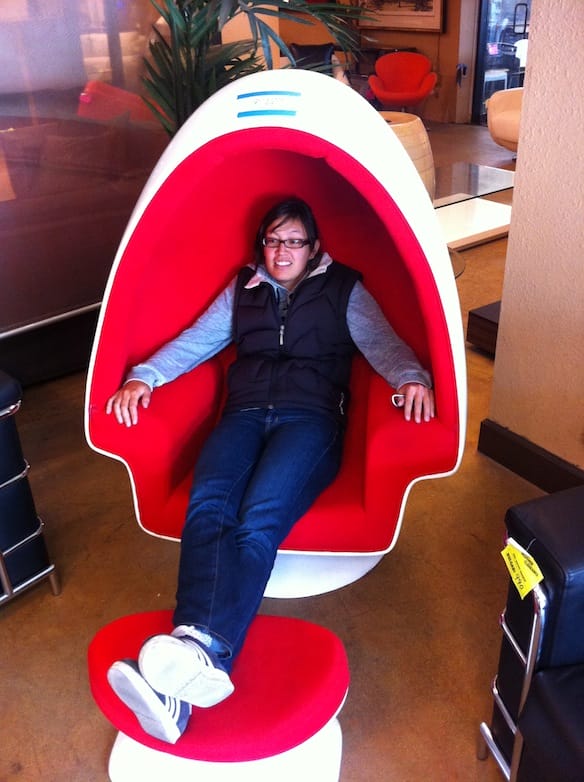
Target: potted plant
188, 62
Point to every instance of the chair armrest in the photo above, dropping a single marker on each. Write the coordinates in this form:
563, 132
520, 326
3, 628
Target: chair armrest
400, 452
170, 419
160, 451
375, 83
429, 81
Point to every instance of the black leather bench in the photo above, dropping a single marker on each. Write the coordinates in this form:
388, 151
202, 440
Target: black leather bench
536, 732
24, 559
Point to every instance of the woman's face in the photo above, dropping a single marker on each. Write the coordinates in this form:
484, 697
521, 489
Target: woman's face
287, 265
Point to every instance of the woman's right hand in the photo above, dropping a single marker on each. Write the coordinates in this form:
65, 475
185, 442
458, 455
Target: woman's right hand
124, 403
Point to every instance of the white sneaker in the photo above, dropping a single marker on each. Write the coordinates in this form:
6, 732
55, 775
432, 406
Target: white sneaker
181, 666
159, 715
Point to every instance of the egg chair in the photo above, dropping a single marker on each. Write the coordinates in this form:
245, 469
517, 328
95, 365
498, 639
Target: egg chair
260, 139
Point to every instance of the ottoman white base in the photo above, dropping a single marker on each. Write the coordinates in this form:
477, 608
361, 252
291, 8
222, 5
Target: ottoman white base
318, 758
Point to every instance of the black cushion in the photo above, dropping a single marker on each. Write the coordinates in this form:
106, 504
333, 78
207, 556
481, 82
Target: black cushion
313, 56
551, 528
552, 727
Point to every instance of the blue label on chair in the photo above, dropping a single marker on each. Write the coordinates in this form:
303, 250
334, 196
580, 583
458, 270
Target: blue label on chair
269, 103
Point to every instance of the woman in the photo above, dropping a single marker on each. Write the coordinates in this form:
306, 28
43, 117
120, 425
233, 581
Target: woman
296, 318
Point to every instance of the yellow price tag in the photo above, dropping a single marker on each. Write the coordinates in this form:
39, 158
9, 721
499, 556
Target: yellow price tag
522, 567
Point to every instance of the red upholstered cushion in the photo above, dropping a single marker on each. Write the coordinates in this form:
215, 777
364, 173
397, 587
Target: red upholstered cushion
402, 71
290, 679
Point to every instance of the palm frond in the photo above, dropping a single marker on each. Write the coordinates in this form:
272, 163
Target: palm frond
338, 19
186, 64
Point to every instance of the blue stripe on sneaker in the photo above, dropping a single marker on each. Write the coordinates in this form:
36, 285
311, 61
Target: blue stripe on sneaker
164, 717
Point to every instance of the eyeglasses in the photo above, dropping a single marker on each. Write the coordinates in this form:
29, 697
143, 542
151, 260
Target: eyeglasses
290, 244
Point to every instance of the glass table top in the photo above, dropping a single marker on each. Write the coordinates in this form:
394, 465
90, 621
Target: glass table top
462, 181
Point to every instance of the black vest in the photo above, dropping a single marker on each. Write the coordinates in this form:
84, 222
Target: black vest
301, 361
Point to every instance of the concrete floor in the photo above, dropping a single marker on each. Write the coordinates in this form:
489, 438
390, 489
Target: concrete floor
421, 630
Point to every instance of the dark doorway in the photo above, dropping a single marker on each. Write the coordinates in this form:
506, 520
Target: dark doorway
501, 51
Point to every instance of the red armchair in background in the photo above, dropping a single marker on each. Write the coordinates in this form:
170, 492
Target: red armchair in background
101, 101
402, 79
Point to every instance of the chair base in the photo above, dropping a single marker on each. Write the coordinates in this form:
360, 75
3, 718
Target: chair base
305, 575
317, 758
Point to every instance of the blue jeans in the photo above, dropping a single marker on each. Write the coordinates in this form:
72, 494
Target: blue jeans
258, 473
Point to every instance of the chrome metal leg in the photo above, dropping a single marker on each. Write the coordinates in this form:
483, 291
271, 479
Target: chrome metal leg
528, 659
55, 583
482, 746
8, 589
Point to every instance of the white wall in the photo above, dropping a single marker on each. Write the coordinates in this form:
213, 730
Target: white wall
538, 387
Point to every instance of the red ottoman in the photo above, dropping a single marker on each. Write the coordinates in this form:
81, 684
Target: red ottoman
291, 680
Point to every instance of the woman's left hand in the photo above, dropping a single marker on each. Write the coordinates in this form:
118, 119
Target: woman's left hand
417, 402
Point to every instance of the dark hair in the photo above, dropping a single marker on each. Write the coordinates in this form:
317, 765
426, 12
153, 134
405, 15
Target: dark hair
288, 209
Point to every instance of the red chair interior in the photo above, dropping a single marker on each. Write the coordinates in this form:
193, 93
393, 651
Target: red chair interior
195, 233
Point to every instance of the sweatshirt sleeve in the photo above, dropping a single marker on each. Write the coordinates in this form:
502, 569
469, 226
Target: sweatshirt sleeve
206, 337
387, 353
